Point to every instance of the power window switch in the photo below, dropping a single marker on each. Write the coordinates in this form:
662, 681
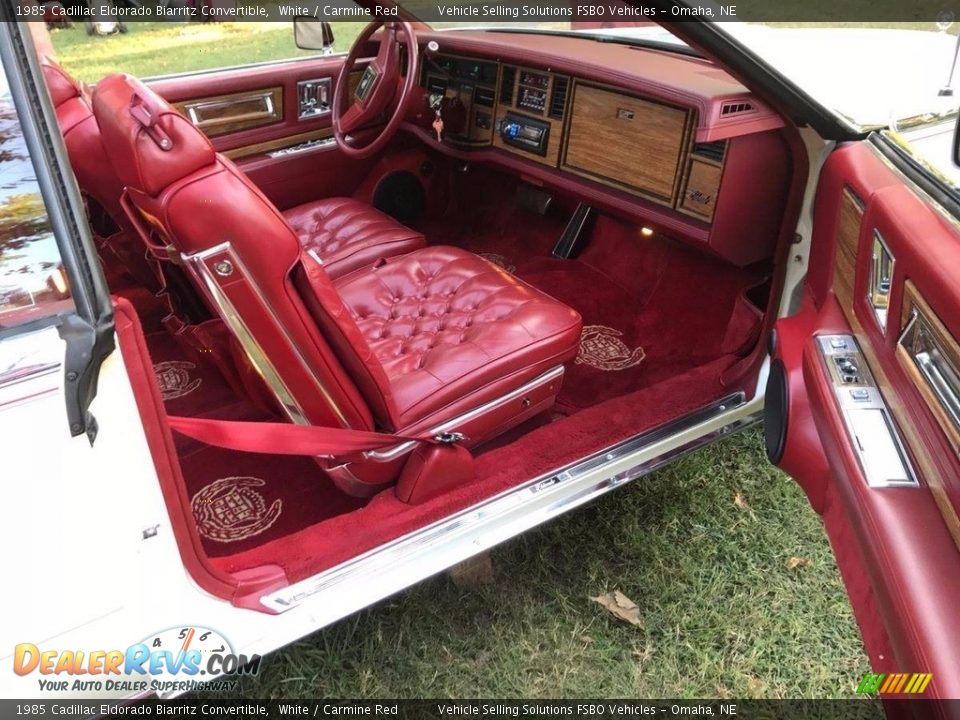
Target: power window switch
860, 394
838, 343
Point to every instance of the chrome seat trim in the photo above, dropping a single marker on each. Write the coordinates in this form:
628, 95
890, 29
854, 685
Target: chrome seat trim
454, 424
197, 265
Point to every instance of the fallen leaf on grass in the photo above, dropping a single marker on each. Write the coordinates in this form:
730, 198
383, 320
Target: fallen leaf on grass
740, 501
795, 562
620, 606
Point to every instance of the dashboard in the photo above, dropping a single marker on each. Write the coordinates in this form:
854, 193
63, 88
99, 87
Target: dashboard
642, 146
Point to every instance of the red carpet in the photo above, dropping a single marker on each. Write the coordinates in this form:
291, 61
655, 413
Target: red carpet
240, 500
651, 307
385, 518
663, 322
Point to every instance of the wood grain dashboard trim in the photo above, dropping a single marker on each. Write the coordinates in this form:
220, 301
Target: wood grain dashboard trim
701, 188
627, 141
557, 126
474, 136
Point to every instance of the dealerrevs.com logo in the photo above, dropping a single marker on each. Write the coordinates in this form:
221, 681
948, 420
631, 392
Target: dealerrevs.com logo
173, 660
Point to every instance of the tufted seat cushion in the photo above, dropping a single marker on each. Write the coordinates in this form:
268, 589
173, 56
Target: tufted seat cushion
347, 234
440, 331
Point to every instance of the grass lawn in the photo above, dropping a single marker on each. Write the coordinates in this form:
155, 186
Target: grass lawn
737, 589
704, 547
160, 48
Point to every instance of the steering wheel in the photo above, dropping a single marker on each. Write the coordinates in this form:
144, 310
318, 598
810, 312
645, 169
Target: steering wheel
378, 87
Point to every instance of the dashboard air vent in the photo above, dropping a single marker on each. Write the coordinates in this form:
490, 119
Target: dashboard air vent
736, 107
711, 150
558, 98
507, 82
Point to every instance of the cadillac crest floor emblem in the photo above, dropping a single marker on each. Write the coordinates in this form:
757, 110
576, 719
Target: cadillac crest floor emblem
602, 348
230, 509
174, 378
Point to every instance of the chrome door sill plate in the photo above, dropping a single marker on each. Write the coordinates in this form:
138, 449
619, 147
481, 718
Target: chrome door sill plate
391, 567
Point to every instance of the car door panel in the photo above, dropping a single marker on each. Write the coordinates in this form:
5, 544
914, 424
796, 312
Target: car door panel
897, 547
252, 115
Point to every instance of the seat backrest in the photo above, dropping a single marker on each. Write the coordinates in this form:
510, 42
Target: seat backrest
82, 138
233, 242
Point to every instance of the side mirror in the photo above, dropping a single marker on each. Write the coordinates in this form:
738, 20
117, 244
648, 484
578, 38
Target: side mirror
309, 33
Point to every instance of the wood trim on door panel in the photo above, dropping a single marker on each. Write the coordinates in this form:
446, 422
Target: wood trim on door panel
627, 141
946, 342
222, 114
278, 144
929, 470
848, 240
844, 282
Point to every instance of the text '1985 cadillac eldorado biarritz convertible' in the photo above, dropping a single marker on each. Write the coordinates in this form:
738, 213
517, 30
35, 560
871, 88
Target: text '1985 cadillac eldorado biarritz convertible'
280, 340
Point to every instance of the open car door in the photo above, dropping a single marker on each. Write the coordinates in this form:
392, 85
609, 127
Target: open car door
863, 407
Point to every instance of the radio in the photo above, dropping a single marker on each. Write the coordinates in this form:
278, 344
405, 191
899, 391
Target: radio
525, 133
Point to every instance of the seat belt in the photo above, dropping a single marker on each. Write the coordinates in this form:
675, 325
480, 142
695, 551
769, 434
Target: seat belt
274, 438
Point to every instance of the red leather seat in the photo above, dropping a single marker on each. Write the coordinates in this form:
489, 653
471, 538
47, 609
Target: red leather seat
441, 331
119, 248
347, 234
434, 340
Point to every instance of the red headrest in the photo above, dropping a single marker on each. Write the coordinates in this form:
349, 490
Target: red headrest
149, 143
62, 87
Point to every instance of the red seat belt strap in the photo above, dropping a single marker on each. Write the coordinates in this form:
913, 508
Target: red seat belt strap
274, 438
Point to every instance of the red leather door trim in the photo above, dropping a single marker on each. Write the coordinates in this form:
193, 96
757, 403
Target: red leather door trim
289, 180
895, 549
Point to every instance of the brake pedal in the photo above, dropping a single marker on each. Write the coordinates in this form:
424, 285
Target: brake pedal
574, 235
